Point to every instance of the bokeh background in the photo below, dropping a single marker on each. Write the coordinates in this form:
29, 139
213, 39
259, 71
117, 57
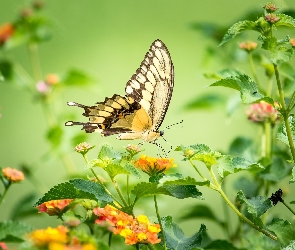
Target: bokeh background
107, 40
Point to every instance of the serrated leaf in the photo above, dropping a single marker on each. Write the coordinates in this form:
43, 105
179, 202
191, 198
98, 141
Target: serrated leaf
221, 244
76, 189
223, 74
256, 206
13, 231
293, 175
283, 229
206, 101
248, 88
285, 20
175, 237
182, 191
176, 180
107, 154
282, 133
115, 169
236, 29
76, 77
147, 189
281, 54
132, 170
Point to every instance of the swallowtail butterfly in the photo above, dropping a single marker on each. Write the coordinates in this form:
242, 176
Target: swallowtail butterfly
140, 113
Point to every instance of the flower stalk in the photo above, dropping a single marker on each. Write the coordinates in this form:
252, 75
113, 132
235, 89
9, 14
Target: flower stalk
160, 222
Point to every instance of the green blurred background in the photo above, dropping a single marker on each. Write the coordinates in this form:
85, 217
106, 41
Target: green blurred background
108, 40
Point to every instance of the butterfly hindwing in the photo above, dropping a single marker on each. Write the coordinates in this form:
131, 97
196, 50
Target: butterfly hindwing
141, 112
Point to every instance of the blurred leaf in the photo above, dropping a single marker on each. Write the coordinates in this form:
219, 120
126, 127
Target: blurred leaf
282, 133
283, 229
206, 101
13, 231
236, 29
233, 103
77, 188
287, 70
24, 207
256, 206
249, 187
247, 87
6, 70
281, 54
277, 171
210, 30
54, 135
175, 237
228, 165
285, 20
221, 244
76, 77
243, 147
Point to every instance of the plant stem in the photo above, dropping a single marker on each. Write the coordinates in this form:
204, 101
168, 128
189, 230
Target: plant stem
197, 170
267, 139
119, 193
128, 192
35, 62
288, 207
252, 66
160, 222
4, 193
269, 86
285, 113
232, 206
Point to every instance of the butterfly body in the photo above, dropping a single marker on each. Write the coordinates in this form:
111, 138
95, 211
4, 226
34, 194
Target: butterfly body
140, 113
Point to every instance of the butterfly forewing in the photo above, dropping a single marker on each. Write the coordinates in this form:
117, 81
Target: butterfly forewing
152, 84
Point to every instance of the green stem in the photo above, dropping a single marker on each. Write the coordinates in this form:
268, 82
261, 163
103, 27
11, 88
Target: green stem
197, 170
232, 206
285, 113
128, 192
119, 193
35, 63
269, 86
4, 193
288, 207
252, 66
160, 222
267, 140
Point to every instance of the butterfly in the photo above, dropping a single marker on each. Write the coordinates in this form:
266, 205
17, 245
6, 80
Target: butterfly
140, 113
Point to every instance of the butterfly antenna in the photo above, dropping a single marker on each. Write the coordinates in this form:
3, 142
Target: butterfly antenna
168, 144
169, 127
159, 146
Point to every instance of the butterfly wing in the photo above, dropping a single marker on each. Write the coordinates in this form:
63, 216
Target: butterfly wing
152, 84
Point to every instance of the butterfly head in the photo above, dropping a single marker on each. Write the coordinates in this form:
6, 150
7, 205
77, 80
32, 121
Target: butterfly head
161, 133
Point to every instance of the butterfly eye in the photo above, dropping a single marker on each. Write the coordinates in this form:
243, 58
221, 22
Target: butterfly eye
161, 133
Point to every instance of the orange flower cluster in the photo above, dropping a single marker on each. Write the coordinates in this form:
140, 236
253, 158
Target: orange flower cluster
6, 31
54, 207
153, 166
13, 174
292, 41
248, 46
57, 239
134, 230
263, 112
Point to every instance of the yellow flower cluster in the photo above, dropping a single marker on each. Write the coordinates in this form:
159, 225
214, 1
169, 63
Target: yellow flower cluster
134, 230
154, 166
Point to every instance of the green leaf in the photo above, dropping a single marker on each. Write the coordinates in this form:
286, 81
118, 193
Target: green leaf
281, 54
55, 135
221, 244
115, 169
243, 83
282, 133
76, 77
206, 101
288, 71
179, 180
107, 154
236, 29
285, 20
293, 175
283, 229
228, 165
291, 246
223, 74
259, 241
276, 171
77, 189
24, 207
256, 206
132, 170
13, 231
243, 147
148, 189
249, 187
175, 237
6, 70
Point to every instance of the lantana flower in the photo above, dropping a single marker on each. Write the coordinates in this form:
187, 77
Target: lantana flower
271, 18
248, 46
292, 41
3, 246
263, 112
134, 230
133, 149
45, 237
6, 31
52, 79
13, 175
83, 148
153, 166
54, 207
